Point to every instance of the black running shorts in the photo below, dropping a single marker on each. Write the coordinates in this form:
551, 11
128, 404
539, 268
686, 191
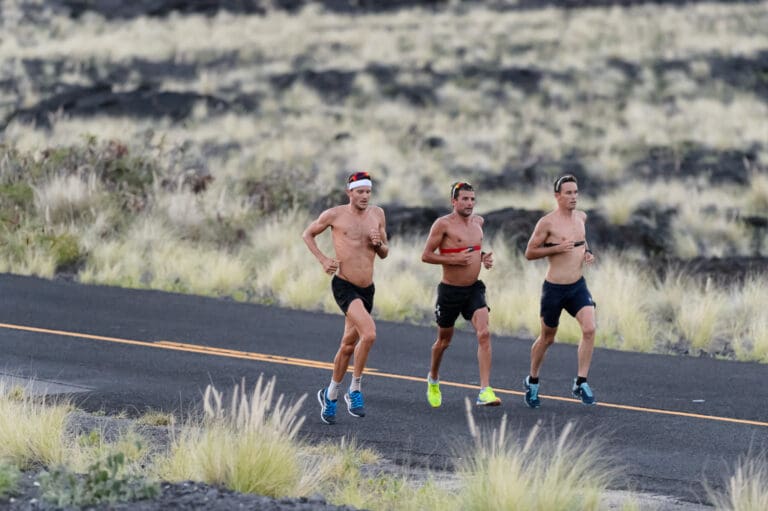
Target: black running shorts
346, 292
556, 297
455, 300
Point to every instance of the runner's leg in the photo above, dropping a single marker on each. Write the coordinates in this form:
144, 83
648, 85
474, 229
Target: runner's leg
545, 339
480, 322
588, 324
366, 328
346, 349
444, 336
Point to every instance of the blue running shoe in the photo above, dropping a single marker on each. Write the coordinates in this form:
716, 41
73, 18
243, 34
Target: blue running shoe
583, 392
531, 393
327, 407
354, 401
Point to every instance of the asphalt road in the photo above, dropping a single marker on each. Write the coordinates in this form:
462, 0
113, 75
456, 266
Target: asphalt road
669, 422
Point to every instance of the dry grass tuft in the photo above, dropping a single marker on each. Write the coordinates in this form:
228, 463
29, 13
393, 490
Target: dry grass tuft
32, 432
746, 489
249, 447
561, 473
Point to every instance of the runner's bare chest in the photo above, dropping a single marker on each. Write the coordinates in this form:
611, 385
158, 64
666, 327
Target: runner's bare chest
356, 229
566, 230
458, 235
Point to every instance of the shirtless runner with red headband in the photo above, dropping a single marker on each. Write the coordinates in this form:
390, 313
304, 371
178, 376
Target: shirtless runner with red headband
455, 242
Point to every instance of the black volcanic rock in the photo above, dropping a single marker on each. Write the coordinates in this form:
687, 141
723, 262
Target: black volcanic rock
720, 270
119, 9
101, 99
333, 85
512, 225
695, 160
410, 221
745, 73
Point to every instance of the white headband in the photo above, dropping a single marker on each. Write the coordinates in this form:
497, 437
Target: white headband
359, 183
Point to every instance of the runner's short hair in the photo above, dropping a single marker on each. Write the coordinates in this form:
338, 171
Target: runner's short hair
459, 186
567, 178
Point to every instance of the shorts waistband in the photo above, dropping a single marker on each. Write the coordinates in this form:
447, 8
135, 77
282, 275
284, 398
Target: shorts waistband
336, 277
552, 284
461, 287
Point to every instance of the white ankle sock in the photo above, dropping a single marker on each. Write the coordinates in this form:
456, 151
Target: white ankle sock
333, 390
355, 385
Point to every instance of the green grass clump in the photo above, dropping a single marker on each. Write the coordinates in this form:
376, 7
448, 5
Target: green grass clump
87, 449
105, 481
348, 484
156, 418
393, 492
66, 250
15, 200
9, 478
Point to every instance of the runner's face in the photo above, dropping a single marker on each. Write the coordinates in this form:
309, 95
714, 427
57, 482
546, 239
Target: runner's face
464, 203
568, 195
359, 197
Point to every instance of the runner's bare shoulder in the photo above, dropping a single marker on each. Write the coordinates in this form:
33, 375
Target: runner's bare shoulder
330, 215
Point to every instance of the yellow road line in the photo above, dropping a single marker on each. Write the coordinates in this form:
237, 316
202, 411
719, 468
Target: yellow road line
279, 359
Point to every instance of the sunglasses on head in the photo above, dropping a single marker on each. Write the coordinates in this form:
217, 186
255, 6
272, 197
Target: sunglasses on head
357, 176
564, 179
459, 186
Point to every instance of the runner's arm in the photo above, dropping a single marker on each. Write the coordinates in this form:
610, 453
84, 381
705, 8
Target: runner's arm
319, 225
383, 248
435, 238
534, 250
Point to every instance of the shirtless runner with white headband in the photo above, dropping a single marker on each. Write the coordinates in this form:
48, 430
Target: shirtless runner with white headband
358, 231
560, 236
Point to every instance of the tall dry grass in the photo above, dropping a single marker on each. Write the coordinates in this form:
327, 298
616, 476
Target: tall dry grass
746, 489
32, 432
250, 446
563, 472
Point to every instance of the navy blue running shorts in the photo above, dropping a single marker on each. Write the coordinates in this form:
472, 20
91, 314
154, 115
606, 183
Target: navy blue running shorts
346, 292
455, 300
556, 297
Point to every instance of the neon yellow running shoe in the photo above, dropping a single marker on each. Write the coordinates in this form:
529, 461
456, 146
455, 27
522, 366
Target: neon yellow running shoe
434, 396
486, 397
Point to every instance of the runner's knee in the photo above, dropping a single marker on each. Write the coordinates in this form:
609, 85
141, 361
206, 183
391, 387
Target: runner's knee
483, 335
347, 349
368, 335
588, 329
547, 339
